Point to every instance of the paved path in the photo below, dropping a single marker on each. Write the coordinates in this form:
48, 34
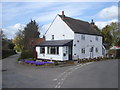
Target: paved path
99, 75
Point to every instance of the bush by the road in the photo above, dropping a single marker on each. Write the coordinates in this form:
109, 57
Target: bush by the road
6, 53
118, 53
26, 54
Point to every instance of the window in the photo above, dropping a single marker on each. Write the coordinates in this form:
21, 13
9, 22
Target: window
42, 50
52, 37
53, 50
83, 37
91, 49
96, 38
96, 49
83, 50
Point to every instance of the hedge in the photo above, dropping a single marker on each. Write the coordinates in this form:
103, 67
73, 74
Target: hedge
7, 53
26, 54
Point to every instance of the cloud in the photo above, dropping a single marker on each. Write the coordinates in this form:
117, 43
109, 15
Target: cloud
45, 12
57, 8
109, 13
21, 11
102, 24
11, 31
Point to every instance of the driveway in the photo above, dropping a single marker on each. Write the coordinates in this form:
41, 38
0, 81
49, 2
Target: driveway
102, 74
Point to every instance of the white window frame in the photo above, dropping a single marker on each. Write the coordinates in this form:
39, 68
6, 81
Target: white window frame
56, 50
41, 50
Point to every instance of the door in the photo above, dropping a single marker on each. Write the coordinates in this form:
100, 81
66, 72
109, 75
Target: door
70, 52
91, 52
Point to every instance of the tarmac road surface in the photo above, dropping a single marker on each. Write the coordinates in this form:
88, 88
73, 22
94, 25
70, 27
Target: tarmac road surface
102, 74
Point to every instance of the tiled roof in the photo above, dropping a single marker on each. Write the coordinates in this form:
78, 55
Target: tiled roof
56, 43
79, 26
35, 41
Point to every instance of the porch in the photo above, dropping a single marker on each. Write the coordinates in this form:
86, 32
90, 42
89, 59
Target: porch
60, 50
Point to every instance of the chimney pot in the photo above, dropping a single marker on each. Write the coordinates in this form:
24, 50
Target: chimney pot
63, 15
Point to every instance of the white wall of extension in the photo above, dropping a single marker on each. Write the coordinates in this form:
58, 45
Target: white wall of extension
60, 30
59, 57
90, 40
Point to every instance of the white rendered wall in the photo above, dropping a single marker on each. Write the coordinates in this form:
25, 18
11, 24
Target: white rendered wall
87, 45
60, 30
58, 57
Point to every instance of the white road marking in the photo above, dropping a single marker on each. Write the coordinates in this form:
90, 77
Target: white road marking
76, 68
56, 86
67, 72
61, 75
59, 86
58, 83
71, 68
55, 79
63, 79
61, 82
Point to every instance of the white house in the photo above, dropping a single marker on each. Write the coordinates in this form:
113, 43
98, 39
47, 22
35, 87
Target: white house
70, 39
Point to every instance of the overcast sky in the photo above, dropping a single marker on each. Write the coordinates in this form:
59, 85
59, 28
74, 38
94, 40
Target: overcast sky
15, 15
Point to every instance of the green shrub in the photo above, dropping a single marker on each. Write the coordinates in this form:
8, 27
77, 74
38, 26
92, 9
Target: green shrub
56, 62
27, 54
19, 59
118, 53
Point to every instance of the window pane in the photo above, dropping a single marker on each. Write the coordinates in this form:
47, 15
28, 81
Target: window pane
52, 37
96, 38
42, 50
57, 50
53, 50
96, 49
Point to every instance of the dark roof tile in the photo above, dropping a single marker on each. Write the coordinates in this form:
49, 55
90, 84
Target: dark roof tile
79, 26
56, 43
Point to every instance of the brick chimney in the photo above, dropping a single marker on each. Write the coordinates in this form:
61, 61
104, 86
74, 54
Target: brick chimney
63, 16
92, 22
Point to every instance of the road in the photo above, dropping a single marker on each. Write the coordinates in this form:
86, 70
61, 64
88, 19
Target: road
102, 74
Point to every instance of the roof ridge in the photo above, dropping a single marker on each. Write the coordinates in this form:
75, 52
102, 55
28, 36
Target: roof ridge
74, 18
